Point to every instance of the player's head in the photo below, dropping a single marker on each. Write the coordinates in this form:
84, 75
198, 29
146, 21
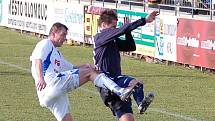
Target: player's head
58, 34
108, 19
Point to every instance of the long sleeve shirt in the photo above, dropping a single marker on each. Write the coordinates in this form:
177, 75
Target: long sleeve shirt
108, 46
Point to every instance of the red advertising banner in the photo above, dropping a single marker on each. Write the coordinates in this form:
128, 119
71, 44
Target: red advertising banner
208, 45
196, 42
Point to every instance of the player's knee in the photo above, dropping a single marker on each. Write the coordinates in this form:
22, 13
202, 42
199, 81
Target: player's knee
140, 81
93, 71
45, 102
67, 117
137, 81
92, 68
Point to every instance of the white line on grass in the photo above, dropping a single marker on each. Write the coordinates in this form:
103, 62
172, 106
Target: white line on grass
15, 66
179, 116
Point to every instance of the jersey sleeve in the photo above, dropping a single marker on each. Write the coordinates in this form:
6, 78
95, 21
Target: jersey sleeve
128, 44
112, 33
41, 51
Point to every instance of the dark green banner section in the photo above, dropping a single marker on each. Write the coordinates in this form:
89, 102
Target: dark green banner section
132, 13
145, 43
144, 36
150, 37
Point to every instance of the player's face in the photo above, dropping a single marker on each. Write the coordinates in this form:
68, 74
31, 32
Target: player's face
60, 37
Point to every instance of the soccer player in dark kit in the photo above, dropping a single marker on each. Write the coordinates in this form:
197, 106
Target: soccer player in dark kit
107, 58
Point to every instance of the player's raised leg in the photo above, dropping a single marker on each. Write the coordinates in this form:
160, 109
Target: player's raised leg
88, 72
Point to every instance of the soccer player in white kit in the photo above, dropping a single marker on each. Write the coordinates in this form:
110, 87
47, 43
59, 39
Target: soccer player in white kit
55, 77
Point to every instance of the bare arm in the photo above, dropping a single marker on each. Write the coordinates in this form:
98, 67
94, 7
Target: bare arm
41, 84
151, 17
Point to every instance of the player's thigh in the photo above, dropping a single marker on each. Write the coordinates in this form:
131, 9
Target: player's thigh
60, 107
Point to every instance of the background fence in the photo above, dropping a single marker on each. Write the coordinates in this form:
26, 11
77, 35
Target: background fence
179, 7
171, 37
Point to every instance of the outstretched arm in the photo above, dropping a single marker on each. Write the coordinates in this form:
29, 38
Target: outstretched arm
112, 33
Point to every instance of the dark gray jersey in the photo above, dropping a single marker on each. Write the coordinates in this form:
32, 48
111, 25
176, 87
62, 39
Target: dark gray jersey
108, 45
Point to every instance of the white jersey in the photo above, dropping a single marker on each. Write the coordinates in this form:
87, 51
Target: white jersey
53, 61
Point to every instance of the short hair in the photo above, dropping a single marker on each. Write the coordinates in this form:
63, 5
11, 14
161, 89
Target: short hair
107, 16
56, 27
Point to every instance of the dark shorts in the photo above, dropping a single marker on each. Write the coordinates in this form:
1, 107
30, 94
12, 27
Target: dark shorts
111, 100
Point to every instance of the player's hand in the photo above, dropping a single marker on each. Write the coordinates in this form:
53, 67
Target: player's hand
41, 85
152, 16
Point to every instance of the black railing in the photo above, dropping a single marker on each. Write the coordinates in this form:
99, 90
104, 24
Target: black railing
203, 7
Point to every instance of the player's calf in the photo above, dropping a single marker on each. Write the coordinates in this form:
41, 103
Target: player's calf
126, 92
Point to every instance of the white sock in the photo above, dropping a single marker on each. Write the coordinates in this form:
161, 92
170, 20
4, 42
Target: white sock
105, 82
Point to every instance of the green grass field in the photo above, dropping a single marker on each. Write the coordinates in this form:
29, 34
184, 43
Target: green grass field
181, 94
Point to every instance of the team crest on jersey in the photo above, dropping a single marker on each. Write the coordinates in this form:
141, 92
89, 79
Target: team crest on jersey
57, 62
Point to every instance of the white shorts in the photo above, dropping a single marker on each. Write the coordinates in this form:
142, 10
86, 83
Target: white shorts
55, 97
